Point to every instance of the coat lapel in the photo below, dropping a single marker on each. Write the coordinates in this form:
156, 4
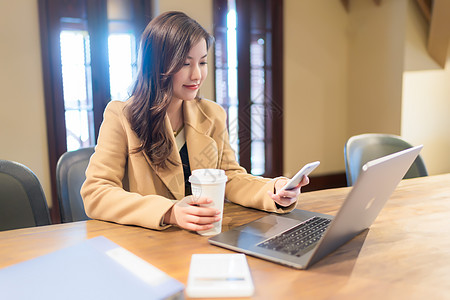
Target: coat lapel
202, 149
171, 175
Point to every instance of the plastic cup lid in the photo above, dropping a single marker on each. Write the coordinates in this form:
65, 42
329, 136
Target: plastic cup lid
208, 176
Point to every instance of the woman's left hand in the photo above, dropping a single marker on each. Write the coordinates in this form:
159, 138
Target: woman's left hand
287, 197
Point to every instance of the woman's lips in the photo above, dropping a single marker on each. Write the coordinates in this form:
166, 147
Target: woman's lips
191, 86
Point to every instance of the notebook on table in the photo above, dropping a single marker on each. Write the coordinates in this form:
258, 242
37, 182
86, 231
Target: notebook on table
93, 269
300, 238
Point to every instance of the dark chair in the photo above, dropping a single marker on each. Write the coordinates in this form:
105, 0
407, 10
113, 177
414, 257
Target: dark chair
360, 149
70, 175
22, 200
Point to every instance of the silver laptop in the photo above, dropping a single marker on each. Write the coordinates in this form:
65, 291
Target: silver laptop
300, 238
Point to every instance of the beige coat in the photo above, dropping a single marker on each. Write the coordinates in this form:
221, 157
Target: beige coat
126, 188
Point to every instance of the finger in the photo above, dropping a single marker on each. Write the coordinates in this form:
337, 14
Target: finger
289, 193
196, 227
280, 183
283, 201
186, 201
202, 211
275, 197
200, 200
193, 222
192, 200
305, 181
198, 220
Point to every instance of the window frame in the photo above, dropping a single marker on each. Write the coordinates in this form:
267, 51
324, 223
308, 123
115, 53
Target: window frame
95, 12
272, 13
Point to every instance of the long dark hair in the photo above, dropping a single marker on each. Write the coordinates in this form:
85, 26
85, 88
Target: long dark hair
165, 44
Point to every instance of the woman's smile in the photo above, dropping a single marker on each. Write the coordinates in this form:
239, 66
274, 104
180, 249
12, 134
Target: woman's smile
191, 86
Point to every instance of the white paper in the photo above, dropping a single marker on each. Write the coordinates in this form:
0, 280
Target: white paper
219, 275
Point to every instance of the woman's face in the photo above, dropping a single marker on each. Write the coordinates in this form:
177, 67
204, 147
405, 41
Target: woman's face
190, 77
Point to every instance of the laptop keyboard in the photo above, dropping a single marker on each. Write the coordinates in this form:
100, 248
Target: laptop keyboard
298, 239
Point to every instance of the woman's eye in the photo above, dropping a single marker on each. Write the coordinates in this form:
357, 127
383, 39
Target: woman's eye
204, 63
186, 64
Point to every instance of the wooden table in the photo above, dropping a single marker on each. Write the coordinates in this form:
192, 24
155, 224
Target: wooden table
405, 254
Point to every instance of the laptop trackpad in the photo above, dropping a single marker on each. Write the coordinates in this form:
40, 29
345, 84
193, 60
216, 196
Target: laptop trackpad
269, 226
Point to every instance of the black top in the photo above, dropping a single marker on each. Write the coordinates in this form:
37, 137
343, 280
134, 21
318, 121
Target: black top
186, 170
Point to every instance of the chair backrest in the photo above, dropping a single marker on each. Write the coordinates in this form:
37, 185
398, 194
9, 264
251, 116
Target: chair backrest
22, 199
362, 148
70, 175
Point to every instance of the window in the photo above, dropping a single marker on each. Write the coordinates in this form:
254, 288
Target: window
248, 80
122, 45
77, 89
89, 57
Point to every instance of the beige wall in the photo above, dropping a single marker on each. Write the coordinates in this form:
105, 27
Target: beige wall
23, 132
316, 65
376, 42
426, 97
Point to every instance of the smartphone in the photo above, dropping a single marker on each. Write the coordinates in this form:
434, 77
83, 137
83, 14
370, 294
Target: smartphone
308, 168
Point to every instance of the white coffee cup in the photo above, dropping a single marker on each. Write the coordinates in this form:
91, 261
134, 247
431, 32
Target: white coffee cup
210, 183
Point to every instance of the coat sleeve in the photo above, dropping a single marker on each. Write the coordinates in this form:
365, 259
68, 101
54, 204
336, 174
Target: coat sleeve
243, 188
103, 192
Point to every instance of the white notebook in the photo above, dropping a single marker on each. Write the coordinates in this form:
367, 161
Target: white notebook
219, 275
93, 269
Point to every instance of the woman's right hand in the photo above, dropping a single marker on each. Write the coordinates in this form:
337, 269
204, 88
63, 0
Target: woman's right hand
188, 214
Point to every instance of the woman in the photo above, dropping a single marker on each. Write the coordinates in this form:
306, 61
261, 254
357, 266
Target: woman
148, 145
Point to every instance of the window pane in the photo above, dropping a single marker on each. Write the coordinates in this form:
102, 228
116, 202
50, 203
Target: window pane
77, 128
258, 109
77, 92
222, 88
257, 121
257, 53
73, 68
257, 86
258, 158
121, 60
233, 124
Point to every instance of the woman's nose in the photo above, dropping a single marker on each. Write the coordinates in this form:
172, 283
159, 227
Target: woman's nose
196, 73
